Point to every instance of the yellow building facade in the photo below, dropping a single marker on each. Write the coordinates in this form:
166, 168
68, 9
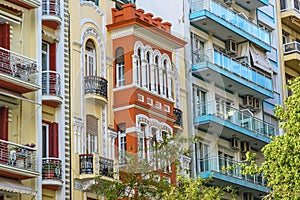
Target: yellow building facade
93, 136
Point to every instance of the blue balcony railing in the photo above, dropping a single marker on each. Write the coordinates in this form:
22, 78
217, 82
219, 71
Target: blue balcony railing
229, 167
225, 62
238, 20
241, 118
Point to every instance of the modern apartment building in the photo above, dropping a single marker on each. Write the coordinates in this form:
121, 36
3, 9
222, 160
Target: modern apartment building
20, 100
289, 46
234, 86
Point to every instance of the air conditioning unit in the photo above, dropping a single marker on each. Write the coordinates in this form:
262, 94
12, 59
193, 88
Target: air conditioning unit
245, 146
256, 104
248, 101
231, 47
234, 143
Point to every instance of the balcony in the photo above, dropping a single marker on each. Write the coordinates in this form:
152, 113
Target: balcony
51, 88
96, 89
96, 2
228, 122
17, 161
292, 55
28, 4
93, 164
226, 171
223, 23
51, 13
254, 4
178, 124
231, 74
18, 73
52, 171
290, 16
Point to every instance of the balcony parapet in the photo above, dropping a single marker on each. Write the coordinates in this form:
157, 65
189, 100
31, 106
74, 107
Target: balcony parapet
292, 47
178, 114
18, 66
96, 85
96, 165
51, 83
51, 169
232, 17
237, 117
18, 156
228, 167
242, 70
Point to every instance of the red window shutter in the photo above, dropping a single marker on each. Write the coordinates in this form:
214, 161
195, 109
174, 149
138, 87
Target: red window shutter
53, 56
5, 36
4, 123
53, 140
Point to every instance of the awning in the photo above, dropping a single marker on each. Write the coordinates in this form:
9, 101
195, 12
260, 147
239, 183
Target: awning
15, 95
260, 59
14, 186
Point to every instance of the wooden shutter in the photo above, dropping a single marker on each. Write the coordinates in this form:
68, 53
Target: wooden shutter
53, 140
52, 55
4, 123
92, 125
5, 36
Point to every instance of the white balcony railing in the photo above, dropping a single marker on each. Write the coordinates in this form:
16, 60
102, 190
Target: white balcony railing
291, 47
51, 83
235, 116
18, 66
225, 62
18, 156
232, 17
229, 167
51, 7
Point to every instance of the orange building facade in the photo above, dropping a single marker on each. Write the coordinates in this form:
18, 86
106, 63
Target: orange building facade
145, 82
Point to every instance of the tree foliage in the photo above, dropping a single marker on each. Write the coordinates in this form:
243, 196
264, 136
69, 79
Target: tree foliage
282, 156
140, 180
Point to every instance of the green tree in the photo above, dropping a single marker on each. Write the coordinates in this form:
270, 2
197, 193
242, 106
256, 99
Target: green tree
282, 156
139, 180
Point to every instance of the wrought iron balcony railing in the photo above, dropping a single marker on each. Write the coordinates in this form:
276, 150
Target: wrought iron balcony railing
106, 167
86, 164
18, 66
51, 7
51, 83
225, 62
95, 164
235, 116
178, 114
230, 16
18, 156
229, 167
96, 85
291, 47
51, 169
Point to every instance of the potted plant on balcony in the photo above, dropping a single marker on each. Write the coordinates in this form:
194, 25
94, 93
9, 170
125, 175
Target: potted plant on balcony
48, 170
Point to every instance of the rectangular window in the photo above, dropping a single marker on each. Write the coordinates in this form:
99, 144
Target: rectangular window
45, 56
120, 75
92, 133
141, 142
202, 157
197, 48
45, 138
199, 102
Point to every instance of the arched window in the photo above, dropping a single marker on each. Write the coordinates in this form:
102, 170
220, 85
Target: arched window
139, 66
164, 78
142, 141
90, 59
120, 67
155, 74
147, 72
